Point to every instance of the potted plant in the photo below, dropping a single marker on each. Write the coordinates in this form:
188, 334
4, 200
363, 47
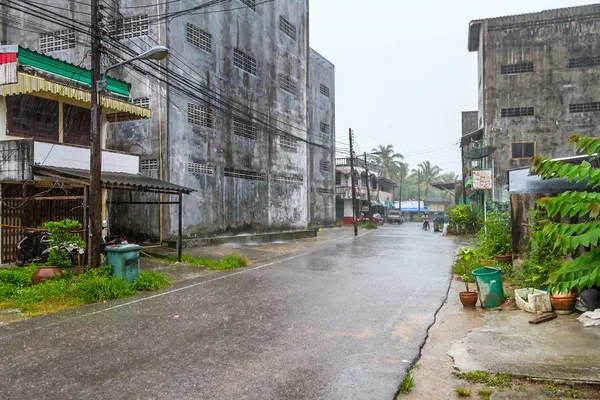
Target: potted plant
63, 235
563, 302
464, 267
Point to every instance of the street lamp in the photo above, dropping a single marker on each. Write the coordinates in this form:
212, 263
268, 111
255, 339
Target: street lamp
95, 190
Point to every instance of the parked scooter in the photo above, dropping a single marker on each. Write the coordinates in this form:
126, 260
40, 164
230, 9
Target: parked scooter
110, 240
33, 247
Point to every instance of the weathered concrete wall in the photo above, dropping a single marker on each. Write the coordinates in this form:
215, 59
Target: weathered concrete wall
321, 86
469, 121
548, 40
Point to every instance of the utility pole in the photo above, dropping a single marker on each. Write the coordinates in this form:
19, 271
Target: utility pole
352, 181
95, 198
419, 192
464, 175
368, 181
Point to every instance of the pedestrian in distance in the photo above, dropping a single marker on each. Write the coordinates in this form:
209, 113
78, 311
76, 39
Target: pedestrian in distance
425, 222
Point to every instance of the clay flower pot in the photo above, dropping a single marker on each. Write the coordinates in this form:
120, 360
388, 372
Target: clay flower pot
468, 299
45, 272
504, 259
563, 303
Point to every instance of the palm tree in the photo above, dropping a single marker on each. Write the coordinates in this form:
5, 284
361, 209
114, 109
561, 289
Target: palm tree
449, 177
387, 160
428, 173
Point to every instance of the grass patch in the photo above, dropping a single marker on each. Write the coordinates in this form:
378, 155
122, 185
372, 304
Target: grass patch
484, 393
462, 392
231, 261
367, 225
151, 280
406, 385
93, 286
487, 379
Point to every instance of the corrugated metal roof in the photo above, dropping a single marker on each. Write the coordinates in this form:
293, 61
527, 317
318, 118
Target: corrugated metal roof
115, 179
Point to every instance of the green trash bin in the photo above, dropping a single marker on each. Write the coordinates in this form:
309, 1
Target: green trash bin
125, 261
489, 285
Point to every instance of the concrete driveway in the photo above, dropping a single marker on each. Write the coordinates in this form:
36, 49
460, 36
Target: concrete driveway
342, 321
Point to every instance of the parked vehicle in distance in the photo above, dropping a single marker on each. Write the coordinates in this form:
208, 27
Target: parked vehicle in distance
378, 219
395, 217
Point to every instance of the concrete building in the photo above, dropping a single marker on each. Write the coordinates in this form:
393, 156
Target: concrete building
243, 111
537, 84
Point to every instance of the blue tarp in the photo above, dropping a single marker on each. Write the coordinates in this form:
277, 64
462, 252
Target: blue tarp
423, 210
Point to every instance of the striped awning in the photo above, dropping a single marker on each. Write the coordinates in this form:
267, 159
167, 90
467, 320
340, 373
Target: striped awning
31, 84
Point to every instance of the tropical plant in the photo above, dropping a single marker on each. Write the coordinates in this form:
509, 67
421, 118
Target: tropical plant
388, 160
465, 217
429, 173
582, 236
496, 238
449, 177
62, 234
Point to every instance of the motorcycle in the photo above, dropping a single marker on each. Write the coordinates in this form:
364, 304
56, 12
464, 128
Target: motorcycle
33, 247
378, 219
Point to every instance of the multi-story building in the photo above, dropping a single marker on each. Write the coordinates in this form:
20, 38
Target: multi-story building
243, 109
538, 80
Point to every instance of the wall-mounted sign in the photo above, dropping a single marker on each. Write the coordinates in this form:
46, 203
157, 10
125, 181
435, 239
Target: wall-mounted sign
8, 64
482, 179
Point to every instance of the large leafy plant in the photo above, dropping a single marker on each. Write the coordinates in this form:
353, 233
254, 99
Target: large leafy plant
496, 238
62, 234
579, 238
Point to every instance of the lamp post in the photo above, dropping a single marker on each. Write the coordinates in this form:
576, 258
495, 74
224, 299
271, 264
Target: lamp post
98, 86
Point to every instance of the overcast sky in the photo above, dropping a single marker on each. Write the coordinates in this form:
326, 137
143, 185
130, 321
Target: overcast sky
403, 72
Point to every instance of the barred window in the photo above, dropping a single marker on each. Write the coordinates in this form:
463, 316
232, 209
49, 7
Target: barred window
200, 169
129, 27
519, 68
293, 179
142, 102
324, 90
250, 3
324, 166
288, 143
522, 150
324, 128
286, 27
584, 62
200, 115
244, 62
287, 84
517, 112
244, 128
198, 37
56, 41
325, 191
584, 107
149, 164
245, 174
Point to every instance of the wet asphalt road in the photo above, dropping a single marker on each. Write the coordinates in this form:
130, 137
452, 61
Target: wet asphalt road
339, 322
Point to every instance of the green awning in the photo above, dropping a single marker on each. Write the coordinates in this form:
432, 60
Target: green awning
389, 204
468, 182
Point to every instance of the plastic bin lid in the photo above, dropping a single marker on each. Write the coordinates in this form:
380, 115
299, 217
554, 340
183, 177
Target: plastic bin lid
122, 248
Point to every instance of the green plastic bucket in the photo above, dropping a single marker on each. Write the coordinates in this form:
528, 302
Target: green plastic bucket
489, 285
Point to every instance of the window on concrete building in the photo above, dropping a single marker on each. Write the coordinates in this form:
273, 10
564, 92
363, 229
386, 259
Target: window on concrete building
250, 3
200, 169
244, 128
142, 102
57, 41
286, 27
288, 143
518, 68
522, 150
325, 191
324, 128
338, 178
129, 27
149, 164
324, 90
244, 62
584, 62
32, 117
292, 179
287, 84
77, 122
324, 166
517, 112
200, 115
584, 107
198, 37
245, 174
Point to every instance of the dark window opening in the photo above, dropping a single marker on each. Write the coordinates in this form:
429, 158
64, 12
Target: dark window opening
584, 107
77, 122
522, 150
338, 178
517, 112
519, 68
32, 117
584, 62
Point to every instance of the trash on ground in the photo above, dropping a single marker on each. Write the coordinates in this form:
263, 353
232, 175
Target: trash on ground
14, 311
533, 300
590, 318
588, 300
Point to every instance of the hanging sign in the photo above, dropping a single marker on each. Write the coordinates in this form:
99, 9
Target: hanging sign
482, 179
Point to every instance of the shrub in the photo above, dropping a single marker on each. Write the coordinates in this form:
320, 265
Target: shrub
151, 280
368, 225
97, 285
416, 218
62, 234
495, 239
466, 217
18, 277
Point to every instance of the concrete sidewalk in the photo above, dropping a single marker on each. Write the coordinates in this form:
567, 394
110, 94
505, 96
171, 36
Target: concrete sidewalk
254, 252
